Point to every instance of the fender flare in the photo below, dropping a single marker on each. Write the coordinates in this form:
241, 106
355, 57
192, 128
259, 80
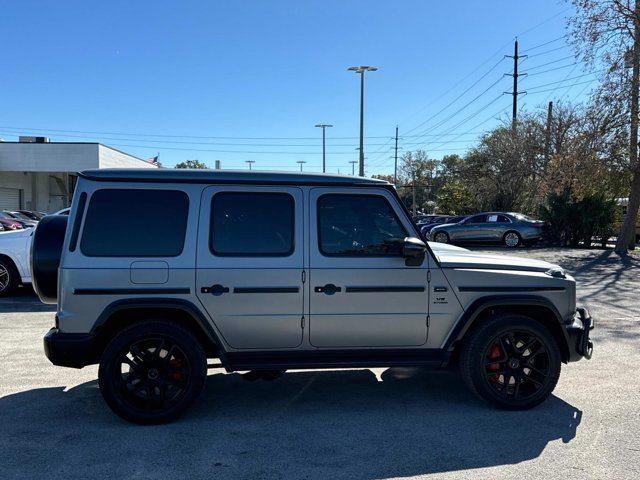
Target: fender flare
155, 303
471, 313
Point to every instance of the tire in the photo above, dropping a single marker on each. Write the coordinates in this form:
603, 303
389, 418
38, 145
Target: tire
46, 251
511, 378
9, 277
157, 386
511, 239
441, 237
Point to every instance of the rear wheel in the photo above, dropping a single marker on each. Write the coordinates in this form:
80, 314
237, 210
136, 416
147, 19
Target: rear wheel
441, 237
150, 372
9, 278
512, 239
511, 361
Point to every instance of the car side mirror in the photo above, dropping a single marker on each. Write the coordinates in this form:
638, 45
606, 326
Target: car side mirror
413, 251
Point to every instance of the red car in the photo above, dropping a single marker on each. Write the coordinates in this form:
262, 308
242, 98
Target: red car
9, 224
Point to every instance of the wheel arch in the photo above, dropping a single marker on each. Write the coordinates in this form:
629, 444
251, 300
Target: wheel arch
123, 313
535, 307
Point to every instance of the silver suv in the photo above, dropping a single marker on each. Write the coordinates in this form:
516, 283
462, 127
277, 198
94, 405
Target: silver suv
274, 271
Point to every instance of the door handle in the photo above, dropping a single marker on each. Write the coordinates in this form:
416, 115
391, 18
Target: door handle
328, 289
439, 289
216, 289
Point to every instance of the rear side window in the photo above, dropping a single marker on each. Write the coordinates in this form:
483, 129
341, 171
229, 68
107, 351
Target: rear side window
252, 224
135, 223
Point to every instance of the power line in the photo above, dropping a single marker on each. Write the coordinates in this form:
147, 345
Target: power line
548, 51
442, 122
562, 37
552, 69
20, 130
572, 85
562, 81
458, 97
550, 63
455, 85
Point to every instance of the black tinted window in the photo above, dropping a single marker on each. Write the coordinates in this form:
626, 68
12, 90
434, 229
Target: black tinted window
135, 223
478, 219
358, 225
252, 224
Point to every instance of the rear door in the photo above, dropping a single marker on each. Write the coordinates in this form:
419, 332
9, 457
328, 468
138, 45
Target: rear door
474, 229
250, 264
361, 292
497, 225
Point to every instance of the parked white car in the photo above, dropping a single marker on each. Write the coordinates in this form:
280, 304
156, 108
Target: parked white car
14, 259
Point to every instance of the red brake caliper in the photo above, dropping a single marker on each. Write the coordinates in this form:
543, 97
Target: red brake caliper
494, 353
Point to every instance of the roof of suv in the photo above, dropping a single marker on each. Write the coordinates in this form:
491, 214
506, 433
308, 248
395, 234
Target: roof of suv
170, 175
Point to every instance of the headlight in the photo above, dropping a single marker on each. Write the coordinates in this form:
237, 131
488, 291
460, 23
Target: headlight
556, 272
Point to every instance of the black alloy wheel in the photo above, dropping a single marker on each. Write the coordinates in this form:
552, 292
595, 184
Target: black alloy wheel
516, 365
511, 361
152, 371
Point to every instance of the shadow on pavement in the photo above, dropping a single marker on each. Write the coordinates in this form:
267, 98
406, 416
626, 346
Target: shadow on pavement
325, 424
24, 299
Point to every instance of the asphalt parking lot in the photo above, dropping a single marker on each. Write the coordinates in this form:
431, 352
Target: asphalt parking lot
352, 424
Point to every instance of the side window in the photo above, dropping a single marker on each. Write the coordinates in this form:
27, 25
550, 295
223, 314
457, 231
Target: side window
503, 219
252, 224
492, 218
358, 225
478, 219
135, 223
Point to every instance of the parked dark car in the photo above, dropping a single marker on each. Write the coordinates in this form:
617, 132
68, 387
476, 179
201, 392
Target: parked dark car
509, 228
439, 220
35, 216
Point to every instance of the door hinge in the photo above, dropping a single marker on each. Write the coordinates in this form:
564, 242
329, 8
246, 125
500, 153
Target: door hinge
302, 322
304, 276
428, 276
428, 320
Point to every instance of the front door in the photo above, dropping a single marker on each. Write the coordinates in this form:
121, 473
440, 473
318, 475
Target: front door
250, 263
361, 292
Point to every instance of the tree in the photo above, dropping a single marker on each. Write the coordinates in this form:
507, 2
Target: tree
191, 164
607, 32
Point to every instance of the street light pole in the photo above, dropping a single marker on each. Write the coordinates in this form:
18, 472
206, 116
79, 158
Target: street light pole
323, 126
353, 165
361, 70
250, 162
301, 162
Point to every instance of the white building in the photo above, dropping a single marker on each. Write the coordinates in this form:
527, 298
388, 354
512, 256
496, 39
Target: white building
39, 175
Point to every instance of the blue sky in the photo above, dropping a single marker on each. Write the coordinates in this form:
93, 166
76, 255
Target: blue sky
235, 81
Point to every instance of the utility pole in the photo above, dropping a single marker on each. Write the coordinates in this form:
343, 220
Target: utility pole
361, 70
323, 126
547, 140
353, 166
250, 162
395, 167
413, 191
515, 76
301, 162
626, 238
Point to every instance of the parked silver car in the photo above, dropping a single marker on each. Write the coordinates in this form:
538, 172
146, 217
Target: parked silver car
510, 229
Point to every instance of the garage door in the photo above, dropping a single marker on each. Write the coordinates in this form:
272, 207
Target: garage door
9, 198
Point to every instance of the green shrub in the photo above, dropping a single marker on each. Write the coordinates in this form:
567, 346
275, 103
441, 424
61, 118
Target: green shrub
571, 221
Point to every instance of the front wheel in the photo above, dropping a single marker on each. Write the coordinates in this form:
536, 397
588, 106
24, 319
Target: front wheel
441, 237
511, 361
151, 371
